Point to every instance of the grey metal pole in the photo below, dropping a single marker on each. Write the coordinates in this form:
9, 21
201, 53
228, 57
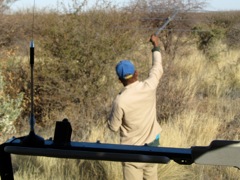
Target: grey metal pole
166, 22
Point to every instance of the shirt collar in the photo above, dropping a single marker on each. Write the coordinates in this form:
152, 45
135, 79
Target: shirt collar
131, 85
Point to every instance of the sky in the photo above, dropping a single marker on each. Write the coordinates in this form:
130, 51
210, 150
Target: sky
23, 4
213, 5
216, 5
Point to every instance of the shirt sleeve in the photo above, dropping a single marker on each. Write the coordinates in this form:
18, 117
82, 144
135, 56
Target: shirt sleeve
156, 71
115, 119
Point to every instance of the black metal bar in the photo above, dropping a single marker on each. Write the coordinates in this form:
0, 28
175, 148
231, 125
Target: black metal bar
99, 151
89, 151
32, 120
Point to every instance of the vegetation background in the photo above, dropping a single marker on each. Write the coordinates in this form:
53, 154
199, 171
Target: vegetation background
76, 50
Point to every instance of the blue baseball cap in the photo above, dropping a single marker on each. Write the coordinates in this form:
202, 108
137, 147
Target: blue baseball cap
125, 69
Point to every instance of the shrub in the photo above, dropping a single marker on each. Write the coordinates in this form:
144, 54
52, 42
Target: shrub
208, 41
229, 21
10, 109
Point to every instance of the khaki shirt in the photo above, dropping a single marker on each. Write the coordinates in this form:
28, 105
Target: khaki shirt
134, 108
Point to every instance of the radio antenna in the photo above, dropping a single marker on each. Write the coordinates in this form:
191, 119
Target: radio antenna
32, 118
32, 138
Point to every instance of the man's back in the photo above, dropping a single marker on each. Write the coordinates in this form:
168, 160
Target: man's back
134, 109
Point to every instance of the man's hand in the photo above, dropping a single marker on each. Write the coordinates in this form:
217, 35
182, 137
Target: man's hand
154, 40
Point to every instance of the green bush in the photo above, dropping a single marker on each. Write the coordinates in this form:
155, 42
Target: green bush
229, 22
10, 109
208, 41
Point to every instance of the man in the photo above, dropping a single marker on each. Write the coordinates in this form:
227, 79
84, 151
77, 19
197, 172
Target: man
134, 112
